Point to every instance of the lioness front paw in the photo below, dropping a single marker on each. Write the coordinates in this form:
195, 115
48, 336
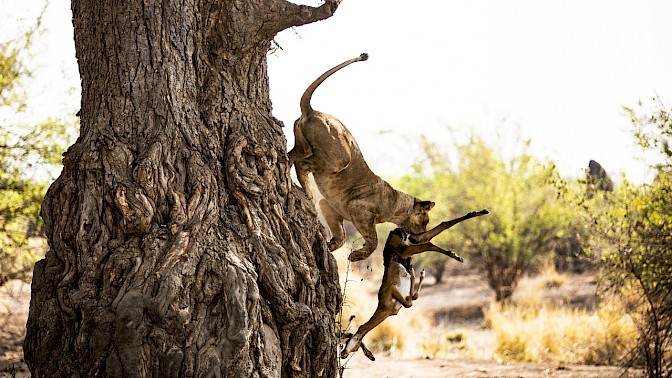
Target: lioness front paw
334, 244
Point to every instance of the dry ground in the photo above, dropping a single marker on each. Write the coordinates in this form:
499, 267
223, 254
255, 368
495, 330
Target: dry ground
385, 367
14, 302
456, 303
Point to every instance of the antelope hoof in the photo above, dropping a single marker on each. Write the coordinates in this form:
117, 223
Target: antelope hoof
459, 258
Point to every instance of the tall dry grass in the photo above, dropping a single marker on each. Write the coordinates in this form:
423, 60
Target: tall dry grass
532, 331
550, 277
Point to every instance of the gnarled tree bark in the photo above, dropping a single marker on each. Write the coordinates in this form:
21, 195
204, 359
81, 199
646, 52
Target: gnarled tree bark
178, 244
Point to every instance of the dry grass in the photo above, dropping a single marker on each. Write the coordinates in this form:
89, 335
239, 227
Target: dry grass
410, 335
529, 331
389, 337
445, 343
550, 277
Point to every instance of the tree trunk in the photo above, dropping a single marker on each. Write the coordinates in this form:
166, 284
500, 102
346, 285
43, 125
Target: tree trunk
503, 279
178, 244
439, 271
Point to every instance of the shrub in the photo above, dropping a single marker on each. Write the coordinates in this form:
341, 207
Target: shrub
526, 221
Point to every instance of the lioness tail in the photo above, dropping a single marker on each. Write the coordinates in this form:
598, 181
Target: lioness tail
305, 99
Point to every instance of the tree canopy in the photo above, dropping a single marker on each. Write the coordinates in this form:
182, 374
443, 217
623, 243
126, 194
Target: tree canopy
526, 222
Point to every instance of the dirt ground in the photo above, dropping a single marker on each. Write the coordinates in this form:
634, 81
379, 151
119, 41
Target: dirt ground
14, 303
385, 367
457, 302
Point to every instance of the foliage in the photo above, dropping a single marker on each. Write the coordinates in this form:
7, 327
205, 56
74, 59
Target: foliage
652, 129
29, 157
26, 158
10, 70
14, 53
525, 223
633, 247
632, 244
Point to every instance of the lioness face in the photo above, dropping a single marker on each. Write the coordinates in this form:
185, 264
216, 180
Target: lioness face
419, 218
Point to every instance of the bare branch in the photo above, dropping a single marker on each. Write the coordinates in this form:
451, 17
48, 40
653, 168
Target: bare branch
296, 15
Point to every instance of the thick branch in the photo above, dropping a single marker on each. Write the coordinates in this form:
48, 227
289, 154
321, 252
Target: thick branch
291, 14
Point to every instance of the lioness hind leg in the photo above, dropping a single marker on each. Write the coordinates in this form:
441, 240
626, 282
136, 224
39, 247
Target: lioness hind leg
335, 223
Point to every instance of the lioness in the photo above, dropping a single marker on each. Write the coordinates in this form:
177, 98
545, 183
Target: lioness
351, 191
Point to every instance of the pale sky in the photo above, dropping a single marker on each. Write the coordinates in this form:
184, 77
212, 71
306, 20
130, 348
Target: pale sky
557, 72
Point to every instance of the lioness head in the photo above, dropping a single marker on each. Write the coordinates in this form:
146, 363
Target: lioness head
419, 218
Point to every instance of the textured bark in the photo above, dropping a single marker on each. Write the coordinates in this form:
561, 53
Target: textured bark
178, 244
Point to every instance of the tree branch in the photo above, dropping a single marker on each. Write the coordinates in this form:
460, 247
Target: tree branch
296, 15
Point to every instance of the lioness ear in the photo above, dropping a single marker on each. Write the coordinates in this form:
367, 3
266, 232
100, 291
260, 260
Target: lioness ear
426, 205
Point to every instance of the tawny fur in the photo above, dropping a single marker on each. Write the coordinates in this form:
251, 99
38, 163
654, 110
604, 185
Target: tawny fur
396, 289
351, 191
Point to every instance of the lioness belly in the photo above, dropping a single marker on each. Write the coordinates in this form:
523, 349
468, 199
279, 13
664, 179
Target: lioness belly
349, 195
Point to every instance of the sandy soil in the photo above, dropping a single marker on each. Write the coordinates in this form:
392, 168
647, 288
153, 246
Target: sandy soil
14, 304
458, 302
385, 367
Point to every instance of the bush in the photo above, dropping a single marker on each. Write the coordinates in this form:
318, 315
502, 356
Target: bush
526, 221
